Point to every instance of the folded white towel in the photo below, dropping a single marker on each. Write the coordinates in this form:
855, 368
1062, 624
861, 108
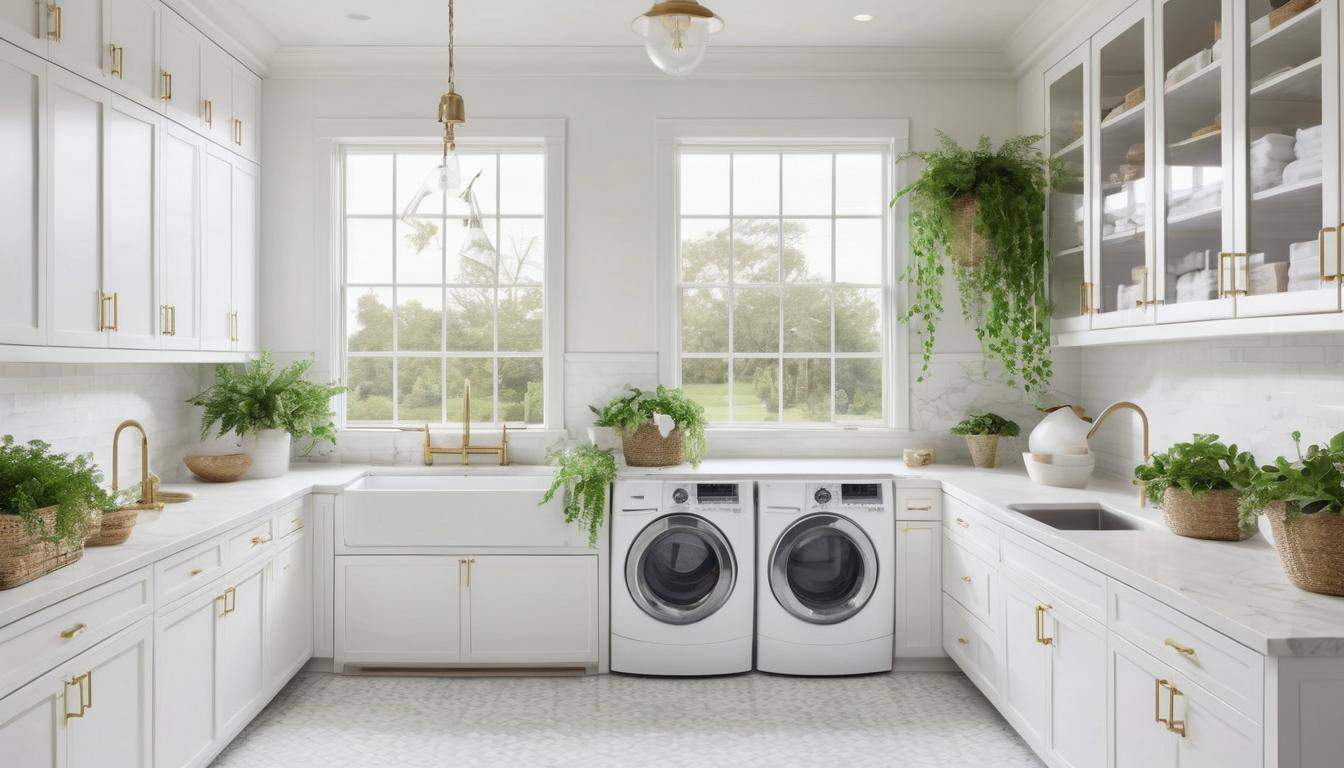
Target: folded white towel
1309, 133
1306, 150
1273, 146
1266, 179
1128, 296
1302, 170
1305, 251
1188, 67
1190, 262
1267, 278
1304, 285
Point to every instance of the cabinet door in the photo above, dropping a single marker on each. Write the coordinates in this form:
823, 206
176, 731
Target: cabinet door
919, 621
79, 45
23, 96
246, 105
1026, 662
180, 46
217, 92
532, 609
1077, 688
128, 260
132, 55
217, 252
393, 609
32, 726
183, 161
291, 624
24, 24
76, 115
1069, 227
187, 675
246, 188
242, 657
1140, 739
115, 731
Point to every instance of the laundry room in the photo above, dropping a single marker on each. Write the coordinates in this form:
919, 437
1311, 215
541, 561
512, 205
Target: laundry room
681, 383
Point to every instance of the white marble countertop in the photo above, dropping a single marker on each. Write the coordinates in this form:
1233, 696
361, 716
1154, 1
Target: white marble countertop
1238, 588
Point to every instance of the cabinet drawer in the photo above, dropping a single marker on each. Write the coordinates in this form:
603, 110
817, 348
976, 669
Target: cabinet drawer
291, 517
1080, 586
178, 575
967, 578
971, 529
919, 504
36, 643
1230, 670
973, 646
246, 542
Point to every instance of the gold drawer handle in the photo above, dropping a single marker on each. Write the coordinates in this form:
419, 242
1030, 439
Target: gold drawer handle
1175, 726
1184, 650
209, 113
230, 599
963, 523
1158, 684
85, 683
74, 631
1040, 624
966, 579
54, 22
166, 80
256, 540
196, 572
116, 56
963, 641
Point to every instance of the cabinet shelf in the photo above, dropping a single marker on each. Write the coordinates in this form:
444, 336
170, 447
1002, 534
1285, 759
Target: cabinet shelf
1076, 250
1115, 121
1074, 147
1285, 45
1195, 101
1287, 212
1301, 83
1206, 150
1196, 221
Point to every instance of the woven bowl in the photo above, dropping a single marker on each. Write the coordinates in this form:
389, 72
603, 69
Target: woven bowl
219, 469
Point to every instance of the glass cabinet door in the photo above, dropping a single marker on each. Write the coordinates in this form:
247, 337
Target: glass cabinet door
1195, 200
1122, 170
1287, 260
1067, 122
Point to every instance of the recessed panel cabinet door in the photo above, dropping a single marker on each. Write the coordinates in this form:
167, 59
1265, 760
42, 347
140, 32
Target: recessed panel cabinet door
22, 185
242, 678
1140, 738
183, 161
217, 93
217, 252
919, 621
132, 56
291, 624
394, 609
24, 24
1026, 666
180, 45
115, 730
186, 666
128, 261
532, 608
77, 111
32, 728
1077, 688
76, 35
246, 95
246, 187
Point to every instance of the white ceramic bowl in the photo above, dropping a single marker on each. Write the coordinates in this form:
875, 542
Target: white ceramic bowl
1058, 475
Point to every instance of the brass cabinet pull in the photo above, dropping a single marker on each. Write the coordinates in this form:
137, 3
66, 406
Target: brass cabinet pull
116, 312
1158, 684
1320, 247
209, 114
74, 631
116, 56
966, 579
166, 84
257, 540
238, 132
229, 597
169, 319
963, 641
1222, 282
172, 317
1040, 624
54, 22
196, 572
1174, 725
85, 683
1184, 650
103, 300
233, 326
963, 523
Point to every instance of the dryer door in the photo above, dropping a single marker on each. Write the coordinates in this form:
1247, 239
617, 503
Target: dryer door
680, 569
823, 569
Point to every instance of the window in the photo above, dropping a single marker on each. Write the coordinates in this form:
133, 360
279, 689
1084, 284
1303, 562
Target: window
782, 283
429, 306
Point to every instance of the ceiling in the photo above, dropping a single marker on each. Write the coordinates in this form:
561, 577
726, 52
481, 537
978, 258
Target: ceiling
896, 23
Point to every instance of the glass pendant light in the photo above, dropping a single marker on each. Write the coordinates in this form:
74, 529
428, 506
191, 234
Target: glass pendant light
477, 256
446, 177
676, 34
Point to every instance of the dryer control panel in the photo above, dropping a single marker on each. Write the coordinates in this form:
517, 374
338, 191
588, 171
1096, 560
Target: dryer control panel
735, 497
863, 494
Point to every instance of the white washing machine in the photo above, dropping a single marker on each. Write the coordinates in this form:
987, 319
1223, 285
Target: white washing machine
825, 578
682, 577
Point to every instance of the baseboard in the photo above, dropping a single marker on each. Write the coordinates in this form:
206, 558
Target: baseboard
320, 664
939, 664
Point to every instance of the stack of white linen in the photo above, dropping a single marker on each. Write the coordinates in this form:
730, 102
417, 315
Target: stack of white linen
1270, 154
1266, 277
1304, 266
1201, 199
1307, 151
1128, 296
1192, 277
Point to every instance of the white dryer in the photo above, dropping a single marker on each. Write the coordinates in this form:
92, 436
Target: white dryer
825, 577
682, 577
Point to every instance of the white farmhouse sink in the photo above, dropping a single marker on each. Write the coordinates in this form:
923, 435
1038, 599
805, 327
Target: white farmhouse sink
405, 513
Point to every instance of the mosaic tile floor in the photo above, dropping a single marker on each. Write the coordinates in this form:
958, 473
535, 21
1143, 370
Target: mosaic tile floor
902, 719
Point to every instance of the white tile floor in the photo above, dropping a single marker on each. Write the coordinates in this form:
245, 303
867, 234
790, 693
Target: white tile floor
902, 719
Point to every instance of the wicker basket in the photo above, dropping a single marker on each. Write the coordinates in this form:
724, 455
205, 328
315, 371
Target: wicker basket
984, 450
1209, 515
219, 469
1311, 549
1288, 10
24, 557
968, 246
646, 447
117, 525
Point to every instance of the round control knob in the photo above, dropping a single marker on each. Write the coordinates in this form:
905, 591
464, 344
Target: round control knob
822, 496
680, 496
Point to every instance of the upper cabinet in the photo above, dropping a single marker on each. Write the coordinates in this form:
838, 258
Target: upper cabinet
75, 36
1208, 195
131, 51
180, 46
23, 95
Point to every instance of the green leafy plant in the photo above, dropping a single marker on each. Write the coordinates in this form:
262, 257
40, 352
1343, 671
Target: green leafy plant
1004, 293
631, 411
1313, 484
249, 398
986, 424
32, 477
584, 473
1204, 464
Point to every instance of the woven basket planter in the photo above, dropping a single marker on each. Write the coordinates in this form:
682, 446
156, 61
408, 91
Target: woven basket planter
968, 247
117, 525
1210, 515
219, 469
1311, 549
984, 450
24, 557
646, 447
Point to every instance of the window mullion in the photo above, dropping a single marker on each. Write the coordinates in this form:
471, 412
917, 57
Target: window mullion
834, 167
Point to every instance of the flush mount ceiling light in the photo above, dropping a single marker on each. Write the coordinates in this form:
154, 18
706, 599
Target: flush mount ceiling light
676, 34
358, 16
446, 177
863, 17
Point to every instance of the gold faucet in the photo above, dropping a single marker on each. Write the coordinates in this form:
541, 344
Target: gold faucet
1112, 408
148, 483
466, 449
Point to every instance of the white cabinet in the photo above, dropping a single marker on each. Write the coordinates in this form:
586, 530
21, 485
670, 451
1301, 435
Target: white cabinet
1068, 223
75, 34
180, 47
217, 252
246, 106
25, 25
919, 622
398, 609
129, 195
131, 56
1026, 665
242, 647
291, 622
182, 209
217, 93
187, 675
246, 196
531, 609
23, 97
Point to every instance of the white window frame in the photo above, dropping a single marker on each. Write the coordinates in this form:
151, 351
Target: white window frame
889, 134
484, 134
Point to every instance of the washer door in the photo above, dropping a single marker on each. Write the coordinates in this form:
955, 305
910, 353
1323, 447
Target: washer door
680, 569
823, 569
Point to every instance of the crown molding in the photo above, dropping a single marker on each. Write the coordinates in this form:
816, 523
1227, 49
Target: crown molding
231, 28
630, 62
1056, 27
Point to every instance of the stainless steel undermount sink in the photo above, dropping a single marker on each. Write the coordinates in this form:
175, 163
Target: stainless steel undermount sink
1077, 517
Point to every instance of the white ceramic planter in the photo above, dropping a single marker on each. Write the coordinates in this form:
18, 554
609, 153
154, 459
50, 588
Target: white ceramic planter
269, 450
604, 438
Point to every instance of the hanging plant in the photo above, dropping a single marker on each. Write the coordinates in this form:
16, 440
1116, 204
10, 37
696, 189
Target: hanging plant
985, 210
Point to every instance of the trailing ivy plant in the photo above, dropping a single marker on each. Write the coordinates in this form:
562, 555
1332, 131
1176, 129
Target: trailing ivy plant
1204, 464
1313, 484
249, 398
32, 477
986, 424
584, 473
1004, 294
629, 412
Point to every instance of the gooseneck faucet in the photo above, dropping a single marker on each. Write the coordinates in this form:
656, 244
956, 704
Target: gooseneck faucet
148, 491
1143, 417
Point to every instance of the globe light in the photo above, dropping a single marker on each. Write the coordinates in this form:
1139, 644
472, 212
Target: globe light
676, 34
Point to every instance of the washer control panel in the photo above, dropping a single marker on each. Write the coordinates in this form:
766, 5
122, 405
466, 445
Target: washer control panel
721, 496
871, 495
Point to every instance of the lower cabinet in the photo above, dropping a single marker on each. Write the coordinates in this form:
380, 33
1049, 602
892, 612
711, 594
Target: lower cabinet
291, 617
398, 609
94, 711
531, 609
919, 622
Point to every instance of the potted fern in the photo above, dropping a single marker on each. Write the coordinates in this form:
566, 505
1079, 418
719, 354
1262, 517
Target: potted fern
984, 208
1198, 485
662, 428
264, 411
583, 475
982, 432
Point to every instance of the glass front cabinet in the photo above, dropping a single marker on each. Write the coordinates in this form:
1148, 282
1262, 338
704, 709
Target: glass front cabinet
1201, 142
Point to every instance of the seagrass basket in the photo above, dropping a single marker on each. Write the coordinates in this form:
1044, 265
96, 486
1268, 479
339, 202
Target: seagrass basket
646, 447
1311, 549
984, 450
24, 556
1208, 515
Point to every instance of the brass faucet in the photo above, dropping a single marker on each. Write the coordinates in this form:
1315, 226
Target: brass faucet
466, 449
1112, 408
148, 483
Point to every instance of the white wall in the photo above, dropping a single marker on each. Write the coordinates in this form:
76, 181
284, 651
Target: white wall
610, 333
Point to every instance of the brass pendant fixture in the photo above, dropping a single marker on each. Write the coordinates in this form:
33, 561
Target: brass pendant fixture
446, 177
676, 34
